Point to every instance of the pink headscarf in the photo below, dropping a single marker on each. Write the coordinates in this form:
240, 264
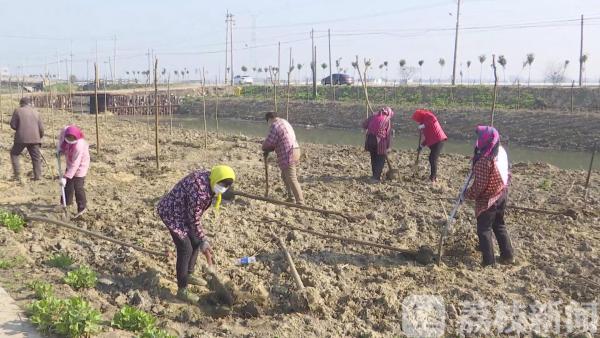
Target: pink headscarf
487, 138
74, 131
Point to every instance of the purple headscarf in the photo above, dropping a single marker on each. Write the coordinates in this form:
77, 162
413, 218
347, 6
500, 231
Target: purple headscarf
487, 138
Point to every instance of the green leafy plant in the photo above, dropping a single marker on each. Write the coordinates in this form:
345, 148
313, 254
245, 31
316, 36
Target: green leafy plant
132, 319
12, 221
73, 317
154, 332
81, 278
61, 260
546, 184
41, 289
78, 319
9, 263
45, 313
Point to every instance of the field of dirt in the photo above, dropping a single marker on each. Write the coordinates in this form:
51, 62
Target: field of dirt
528, 128
353, 291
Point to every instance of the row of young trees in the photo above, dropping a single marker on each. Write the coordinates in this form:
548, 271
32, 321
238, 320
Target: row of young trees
555, 75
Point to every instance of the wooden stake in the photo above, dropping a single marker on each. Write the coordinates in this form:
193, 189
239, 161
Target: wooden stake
96, 101
290, 262
156, 112
572, 89
297, 206
587, 180
170, 104
495, 93
93, 234
217, 113
204, 110
265, 160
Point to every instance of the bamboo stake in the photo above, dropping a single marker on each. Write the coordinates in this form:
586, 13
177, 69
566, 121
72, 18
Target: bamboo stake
96, 100
346, 239
572, 89
217, 113
156, 112
297, 206
587, 180
290, 262
204, 110
169, 104
495, 93
94, 234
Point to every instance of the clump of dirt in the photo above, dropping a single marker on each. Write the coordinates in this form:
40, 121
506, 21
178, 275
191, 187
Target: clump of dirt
351, 290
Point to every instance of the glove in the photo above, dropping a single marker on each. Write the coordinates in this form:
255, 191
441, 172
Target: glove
421, 126
63, 181
266, 153
419, 148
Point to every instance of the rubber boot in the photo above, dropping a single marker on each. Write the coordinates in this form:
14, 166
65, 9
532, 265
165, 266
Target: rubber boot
187, 296
196, 280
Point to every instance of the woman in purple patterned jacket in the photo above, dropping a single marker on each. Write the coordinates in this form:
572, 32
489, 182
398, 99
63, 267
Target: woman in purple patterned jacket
181, 210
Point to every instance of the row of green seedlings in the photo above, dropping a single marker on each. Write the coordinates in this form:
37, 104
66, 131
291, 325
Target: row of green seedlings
15, 223
75, 317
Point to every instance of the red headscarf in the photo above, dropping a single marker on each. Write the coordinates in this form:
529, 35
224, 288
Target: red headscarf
423, 115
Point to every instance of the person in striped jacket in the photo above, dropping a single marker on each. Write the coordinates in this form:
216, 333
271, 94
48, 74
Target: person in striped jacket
432, 136
490, 193
378, 139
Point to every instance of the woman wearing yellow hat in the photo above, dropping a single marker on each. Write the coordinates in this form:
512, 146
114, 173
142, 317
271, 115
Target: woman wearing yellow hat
181, 210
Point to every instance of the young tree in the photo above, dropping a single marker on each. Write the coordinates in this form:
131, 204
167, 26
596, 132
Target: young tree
421, 62
324, 65
583, 60
442, 63
338, 65
482, 59
468, 71
385, 64
528, 61
244, 69
502, 62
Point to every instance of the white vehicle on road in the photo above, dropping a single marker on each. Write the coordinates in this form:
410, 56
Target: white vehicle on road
243, 79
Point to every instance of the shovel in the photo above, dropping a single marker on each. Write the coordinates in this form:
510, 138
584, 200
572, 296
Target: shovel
265, 157
391, 173
450, 219
62, 188
419, 148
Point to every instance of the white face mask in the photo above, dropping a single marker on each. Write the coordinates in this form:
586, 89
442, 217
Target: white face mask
220, 189
71, 142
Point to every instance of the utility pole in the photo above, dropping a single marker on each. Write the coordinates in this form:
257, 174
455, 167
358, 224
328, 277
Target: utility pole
455, 43
226, 44
581, 55
278, 61
231, 22
330, 75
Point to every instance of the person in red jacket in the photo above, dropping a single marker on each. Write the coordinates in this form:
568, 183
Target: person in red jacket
433, 136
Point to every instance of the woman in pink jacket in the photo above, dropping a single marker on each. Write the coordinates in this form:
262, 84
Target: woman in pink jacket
72, 144
433, 136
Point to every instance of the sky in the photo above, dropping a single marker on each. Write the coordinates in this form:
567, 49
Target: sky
38, 36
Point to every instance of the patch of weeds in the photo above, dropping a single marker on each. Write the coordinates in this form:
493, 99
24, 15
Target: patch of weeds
546, 184
81, 278
73, 317
41, 289
61, 260
132, 319
12, 221
9, 263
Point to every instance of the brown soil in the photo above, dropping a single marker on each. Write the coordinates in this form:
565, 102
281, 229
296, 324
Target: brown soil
351, 290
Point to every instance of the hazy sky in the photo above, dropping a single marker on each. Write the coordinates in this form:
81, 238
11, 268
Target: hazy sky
191, 34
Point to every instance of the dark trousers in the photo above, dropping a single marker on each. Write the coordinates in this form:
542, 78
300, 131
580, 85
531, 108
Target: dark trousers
76, 186
434, 155
187, 254
36, 158
489, 223
377, 164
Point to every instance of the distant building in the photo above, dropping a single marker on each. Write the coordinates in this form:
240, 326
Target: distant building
4, 72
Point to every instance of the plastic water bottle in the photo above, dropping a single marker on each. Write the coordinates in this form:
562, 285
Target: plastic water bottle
246, 260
